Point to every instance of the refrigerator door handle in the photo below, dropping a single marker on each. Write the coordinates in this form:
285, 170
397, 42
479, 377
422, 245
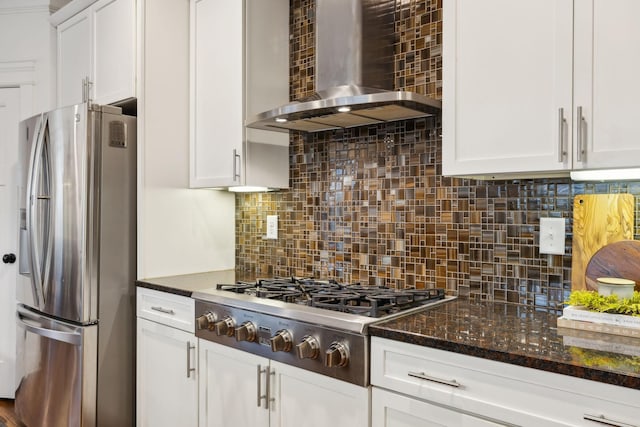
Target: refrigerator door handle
35, 167
31, 323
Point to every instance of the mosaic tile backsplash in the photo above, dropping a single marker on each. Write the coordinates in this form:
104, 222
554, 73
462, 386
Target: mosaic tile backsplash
370, 204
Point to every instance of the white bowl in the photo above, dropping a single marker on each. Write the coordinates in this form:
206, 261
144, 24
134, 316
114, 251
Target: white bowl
615, 286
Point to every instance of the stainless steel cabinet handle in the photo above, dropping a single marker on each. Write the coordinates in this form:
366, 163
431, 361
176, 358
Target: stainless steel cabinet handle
561, 122
163, 310
189, 368
236, 165
260, 395
423, 376
270, 399
266, 392
86, 89
580, 135
606, 421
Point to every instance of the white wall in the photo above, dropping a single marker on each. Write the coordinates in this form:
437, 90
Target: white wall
27, 54
179, 230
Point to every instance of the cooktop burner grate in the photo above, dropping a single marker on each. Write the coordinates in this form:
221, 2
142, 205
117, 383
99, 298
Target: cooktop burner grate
371, 301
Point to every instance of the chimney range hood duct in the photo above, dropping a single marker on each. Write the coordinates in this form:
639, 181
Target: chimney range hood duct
353, 73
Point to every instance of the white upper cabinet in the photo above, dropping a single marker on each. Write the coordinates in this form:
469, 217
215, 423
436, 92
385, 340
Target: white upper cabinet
239, 68
606, 84
519, 77
216, 92
114, 40
96, 44
74, 58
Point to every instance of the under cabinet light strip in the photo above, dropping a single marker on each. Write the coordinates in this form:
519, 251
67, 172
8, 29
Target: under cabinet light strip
606, 175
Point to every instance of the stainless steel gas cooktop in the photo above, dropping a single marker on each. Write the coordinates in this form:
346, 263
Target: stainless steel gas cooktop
318, 325
371, 301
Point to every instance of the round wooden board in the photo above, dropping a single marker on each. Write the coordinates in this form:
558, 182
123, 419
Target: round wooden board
618, 259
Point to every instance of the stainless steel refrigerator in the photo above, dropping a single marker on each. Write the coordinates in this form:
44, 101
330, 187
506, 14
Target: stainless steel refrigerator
77, 264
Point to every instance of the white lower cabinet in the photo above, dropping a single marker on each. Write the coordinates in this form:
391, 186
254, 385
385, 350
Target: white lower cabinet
243, 390
396, 410
229, 387
415, 385
313, 400
166, 362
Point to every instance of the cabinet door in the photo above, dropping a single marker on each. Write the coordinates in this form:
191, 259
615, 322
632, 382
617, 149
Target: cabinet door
396, 410
114, 44
216, 86
303, 398
231, 385
74, 57
507, 72
607, 89
167, 391
266, 153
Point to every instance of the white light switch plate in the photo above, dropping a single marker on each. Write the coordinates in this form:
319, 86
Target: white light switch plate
272, 227
552, 236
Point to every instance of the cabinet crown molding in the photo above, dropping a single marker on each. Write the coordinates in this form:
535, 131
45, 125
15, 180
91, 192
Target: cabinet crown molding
68, 10
11, 7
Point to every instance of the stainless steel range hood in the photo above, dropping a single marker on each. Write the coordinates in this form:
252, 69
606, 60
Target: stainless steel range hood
354, 73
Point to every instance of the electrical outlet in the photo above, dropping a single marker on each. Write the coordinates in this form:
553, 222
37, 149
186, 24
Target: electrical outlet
552, 236
272, 227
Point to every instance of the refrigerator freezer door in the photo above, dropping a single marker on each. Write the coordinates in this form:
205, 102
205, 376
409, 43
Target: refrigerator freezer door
29, 135
57, 370
62, 215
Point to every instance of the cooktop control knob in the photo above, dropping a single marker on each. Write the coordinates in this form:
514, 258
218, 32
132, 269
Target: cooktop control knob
225, 326
336, 356
281, 341
246, 332
308, 348
206, 321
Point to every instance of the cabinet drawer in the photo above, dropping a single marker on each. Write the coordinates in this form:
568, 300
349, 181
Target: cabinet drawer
169, 309
498, 390
396, 410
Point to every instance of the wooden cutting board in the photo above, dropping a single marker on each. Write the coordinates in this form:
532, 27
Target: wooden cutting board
619, 259
598, 219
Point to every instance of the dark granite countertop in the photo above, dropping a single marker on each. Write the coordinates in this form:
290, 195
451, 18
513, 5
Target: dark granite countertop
519, 335
186, 284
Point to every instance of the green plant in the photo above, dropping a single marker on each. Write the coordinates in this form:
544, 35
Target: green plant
599, 359
592, 300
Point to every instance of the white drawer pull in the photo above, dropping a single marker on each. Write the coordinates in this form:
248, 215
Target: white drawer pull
163, 310
423, 376
606, 421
